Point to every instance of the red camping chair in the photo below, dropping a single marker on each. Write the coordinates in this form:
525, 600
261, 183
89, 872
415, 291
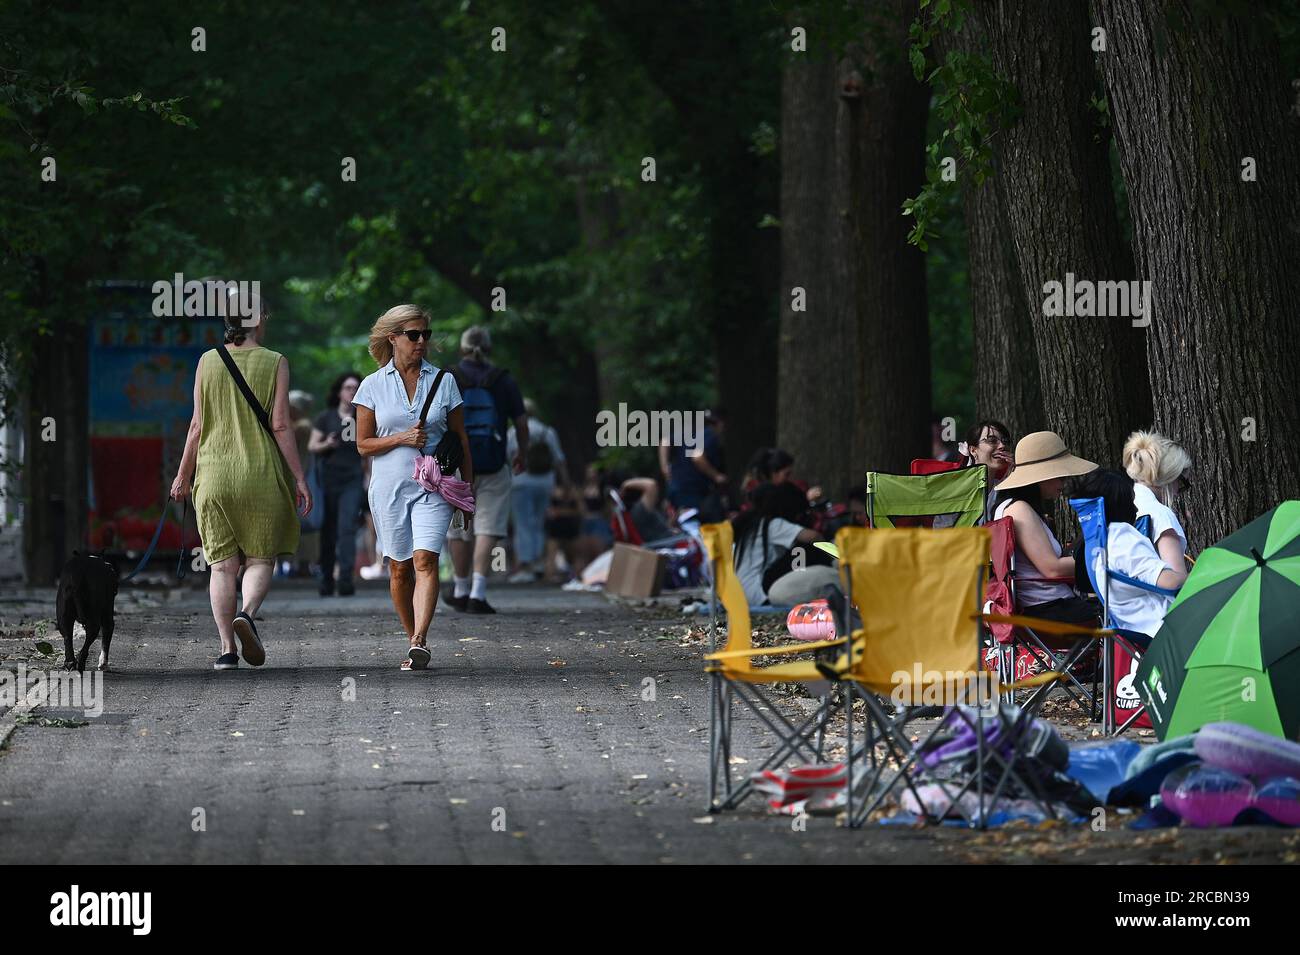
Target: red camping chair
931, 466
621, 523
1018, 651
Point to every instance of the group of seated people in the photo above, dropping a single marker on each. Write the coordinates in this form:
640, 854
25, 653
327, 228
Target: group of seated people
777, 563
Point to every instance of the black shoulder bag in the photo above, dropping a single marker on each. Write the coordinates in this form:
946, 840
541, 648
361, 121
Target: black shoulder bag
449, 452
246, 391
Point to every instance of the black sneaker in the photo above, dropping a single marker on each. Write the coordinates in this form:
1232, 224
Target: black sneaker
479, 606
249, 642
458, 603
227, 661
327, 587
346, 587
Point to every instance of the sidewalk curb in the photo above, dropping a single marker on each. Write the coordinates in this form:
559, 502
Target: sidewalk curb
9, 722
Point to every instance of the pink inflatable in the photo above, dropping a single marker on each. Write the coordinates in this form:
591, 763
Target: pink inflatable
1206, 796
811, 621
1280, 800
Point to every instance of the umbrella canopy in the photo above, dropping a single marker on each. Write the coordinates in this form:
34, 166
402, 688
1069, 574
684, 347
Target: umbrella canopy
1229, 649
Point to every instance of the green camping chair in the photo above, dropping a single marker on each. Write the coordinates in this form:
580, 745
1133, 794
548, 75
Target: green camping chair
946, 499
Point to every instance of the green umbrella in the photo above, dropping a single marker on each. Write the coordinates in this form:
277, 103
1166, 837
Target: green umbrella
1229, 649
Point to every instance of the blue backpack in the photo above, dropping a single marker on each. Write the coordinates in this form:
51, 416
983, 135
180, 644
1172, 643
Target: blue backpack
483, 423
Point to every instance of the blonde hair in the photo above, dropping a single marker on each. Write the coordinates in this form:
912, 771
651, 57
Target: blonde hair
1156, 461
390, 323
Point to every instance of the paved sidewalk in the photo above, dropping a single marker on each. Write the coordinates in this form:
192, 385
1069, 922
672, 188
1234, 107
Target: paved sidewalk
528, 742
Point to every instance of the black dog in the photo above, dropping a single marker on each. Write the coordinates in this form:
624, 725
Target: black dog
87, 589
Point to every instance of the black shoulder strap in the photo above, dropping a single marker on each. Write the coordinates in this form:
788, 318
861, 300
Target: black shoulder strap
428, 399
246, 391
493, 377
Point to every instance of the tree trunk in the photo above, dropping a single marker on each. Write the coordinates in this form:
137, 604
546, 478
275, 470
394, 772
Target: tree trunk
1055, 176
1191, 98
744, 263
1005, 367
818, 348
55, 471
892, 407
1006, 361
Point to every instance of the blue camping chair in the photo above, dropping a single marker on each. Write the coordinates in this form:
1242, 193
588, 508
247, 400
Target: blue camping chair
1091, 512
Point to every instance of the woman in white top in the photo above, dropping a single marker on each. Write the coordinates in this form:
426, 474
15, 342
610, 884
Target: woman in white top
410, 522
1157, 466
1128, 553
1043, 573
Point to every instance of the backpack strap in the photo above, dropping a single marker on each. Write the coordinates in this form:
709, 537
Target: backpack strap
433, 392
246, 391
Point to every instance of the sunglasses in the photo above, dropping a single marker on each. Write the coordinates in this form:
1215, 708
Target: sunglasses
415, 334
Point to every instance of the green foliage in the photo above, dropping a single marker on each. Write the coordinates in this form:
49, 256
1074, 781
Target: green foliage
972, 102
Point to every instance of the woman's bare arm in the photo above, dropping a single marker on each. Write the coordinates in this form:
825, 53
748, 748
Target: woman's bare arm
1171, 552
1031, 536
189, 457
368, 444
282, 421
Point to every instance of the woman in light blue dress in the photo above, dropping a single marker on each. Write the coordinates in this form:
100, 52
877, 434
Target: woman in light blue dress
410, 522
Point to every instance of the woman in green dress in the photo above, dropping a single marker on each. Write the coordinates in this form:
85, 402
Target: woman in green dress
247, 483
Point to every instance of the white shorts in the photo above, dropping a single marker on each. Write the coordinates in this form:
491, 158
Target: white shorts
491, 506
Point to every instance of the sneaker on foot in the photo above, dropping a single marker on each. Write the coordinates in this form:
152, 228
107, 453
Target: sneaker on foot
346, 588
227, 661
479, 606
249, 642
522, 577
458, 603
327, 587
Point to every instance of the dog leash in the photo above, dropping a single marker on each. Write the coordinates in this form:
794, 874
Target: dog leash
157, 533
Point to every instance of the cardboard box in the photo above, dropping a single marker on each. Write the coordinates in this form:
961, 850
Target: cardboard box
635, 572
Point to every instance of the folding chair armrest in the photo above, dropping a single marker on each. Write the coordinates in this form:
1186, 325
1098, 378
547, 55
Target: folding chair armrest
1042, 625
775, 651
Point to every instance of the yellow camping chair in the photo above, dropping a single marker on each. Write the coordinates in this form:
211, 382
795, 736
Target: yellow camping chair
920, 593
733, 676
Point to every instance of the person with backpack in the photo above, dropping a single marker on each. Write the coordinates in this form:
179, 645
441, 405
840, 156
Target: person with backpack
530, 491
491, 401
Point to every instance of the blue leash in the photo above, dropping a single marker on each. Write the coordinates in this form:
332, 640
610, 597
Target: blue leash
157, 533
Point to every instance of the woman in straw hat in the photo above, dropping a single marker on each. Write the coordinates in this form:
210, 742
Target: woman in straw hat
1044, 575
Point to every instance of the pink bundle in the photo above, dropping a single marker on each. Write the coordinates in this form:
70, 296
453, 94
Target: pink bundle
454, 491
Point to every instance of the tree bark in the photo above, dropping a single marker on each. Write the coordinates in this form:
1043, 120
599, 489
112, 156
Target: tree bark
892, 409
818, 347
1190, 98
1005, 366
1053, 164
1006, 361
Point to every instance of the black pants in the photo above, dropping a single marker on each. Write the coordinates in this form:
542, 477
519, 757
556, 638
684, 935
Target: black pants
338, 532
1076, 610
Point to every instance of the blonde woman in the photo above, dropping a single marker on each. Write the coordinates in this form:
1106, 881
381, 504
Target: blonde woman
1157, 466
410, 522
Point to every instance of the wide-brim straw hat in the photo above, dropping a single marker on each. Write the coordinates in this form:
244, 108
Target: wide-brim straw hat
1042, 456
